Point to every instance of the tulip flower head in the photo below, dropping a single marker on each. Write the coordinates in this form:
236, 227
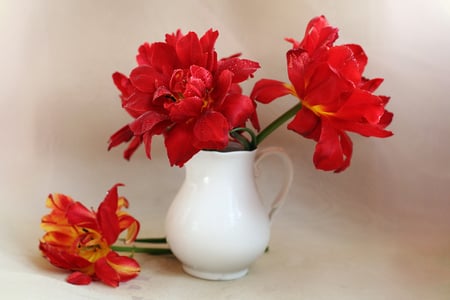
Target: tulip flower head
79, 239
334, 96
182, 91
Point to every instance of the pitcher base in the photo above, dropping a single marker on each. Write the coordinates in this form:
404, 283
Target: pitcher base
214, 275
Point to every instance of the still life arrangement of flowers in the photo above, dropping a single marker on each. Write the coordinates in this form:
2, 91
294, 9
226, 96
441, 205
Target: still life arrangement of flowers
182, 91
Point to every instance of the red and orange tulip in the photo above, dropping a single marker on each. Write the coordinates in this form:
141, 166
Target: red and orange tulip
79, 239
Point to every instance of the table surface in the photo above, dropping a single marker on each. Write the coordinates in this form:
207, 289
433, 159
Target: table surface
337, 256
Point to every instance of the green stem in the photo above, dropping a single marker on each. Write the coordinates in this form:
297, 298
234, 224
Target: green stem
161, 240
277, 123
248, 145
133, 249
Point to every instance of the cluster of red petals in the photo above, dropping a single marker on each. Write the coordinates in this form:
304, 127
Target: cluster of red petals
334, 94
79, 239
181, 90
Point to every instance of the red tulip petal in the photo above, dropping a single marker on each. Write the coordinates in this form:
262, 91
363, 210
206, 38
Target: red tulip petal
134, 144
79, 278
207, 42
145, 78
211, 131
386, 119
79, 215
137, 103
123, 135
59, 201
222, 87
361, 104
347, 150
343, 61
107, 216
237, 109
62, 257
370, 85
318, 34
122, 83
267, 90
126, 267
242, 69
144, 54
306, 123
365, 129
189, 51
172, 39
359, 56
147, 122
297, 62
328, 154
326, 88
178, 142
185, 109
106, 273
255, 120
203, 74
128, 222
60, 235
162, 57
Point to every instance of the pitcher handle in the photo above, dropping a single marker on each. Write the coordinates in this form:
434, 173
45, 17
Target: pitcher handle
289, 174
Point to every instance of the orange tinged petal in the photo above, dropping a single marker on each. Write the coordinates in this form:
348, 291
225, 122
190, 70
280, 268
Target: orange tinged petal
126, 267
131, 224
59, 201
106, 273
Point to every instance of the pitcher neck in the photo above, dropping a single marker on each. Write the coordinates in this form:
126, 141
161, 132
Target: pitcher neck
223, 163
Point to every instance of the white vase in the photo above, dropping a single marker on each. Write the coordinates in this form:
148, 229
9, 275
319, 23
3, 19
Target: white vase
217, 225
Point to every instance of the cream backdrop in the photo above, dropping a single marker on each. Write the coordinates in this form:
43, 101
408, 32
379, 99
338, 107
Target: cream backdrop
59, 107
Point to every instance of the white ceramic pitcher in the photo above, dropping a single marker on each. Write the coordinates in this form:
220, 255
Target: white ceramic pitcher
217, 224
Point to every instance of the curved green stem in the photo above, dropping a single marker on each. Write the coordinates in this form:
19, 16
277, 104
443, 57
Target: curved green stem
277, 123
248, 145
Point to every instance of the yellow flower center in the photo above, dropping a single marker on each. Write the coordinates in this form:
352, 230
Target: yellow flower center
317, 109
91, 246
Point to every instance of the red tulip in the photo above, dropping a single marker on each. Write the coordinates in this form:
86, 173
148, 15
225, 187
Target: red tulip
334, 95
79, 239
182, 91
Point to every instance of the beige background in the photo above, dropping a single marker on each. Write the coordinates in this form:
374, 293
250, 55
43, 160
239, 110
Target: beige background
380, 230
